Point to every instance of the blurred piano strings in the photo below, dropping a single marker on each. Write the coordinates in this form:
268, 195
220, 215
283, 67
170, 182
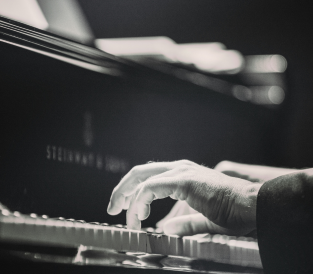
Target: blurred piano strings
258, 79
64, 18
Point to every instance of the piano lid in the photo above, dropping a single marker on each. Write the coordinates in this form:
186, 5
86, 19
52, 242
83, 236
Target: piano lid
42, 42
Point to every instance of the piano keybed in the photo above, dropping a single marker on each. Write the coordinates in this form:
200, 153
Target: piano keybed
33, 229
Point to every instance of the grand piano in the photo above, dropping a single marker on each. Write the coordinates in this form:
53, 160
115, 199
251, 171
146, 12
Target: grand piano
74, 120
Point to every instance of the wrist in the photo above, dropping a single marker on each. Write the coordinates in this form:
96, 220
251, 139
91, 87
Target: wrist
247, 203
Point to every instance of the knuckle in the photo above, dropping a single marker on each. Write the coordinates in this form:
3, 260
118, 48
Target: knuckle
183, 169
186, 162
135, 170
187, 170
146, 186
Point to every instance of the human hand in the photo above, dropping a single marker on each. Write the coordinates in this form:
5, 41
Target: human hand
253, 173
225, 204
181, 208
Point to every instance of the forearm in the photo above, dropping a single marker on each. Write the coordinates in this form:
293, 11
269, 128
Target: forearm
252, 172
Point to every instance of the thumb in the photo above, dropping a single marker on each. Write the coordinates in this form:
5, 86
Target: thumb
193, 224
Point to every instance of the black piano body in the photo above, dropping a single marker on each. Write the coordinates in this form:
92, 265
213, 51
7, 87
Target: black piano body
75, 120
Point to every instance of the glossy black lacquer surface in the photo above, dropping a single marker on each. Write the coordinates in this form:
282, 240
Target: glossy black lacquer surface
37, 256
70, 133
75, 120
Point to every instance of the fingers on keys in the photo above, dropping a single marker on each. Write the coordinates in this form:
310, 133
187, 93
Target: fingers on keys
193, 224
132, 179
186, 225
142, 185
152, 189
136, 176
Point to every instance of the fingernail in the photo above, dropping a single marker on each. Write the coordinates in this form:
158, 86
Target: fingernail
140, 213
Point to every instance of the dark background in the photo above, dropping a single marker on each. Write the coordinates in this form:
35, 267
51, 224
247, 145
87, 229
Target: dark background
252, 27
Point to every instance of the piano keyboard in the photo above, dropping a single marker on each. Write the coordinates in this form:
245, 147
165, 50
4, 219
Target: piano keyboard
33, 229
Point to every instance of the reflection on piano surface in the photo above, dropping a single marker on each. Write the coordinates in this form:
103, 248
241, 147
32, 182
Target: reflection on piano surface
33, 229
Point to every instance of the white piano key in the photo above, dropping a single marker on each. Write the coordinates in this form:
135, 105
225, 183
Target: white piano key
254, 249
257, 258
249, 249
134, 241
225, 251
179, 249
142, 241
158, 243
13, 229
79, 233
39, 231
238, 253
194, 243
232, 250
194, 247
210, 250
105, 238
186, 246
149, 241
89, 235
34, 230
49, 233
173, 244
155, 243
8, 228
117, 239
217, 247
125, 240
253, 256
201, 248
165, 242
108, 239
69, 233
95, 233
242, 244
99, 237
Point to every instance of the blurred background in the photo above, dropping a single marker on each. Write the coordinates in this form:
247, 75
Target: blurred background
252, 28
271, 41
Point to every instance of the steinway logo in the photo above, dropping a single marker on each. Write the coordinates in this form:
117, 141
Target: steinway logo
86, 159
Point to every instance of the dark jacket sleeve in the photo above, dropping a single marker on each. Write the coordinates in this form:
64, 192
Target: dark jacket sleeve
285, 224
